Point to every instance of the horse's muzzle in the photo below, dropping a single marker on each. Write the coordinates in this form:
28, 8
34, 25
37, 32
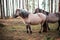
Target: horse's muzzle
15, 16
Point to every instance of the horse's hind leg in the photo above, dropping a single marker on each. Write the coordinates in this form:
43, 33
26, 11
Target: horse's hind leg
27, 28
58, 25
45, 25
30, 29
41, 28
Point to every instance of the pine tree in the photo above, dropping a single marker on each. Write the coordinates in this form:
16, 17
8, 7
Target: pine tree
51, 6
2, 9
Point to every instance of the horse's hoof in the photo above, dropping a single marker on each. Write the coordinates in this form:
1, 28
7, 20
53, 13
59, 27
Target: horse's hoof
30, 32
44, 31
57, 29
48, 29
27, 32
39, 31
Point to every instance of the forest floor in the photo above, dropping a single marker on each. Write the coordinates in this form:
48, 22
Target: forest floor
14, 29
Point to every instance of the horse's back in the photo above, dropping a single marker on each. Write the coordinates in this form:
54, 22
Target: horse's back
43, 16
34, 18
52, 18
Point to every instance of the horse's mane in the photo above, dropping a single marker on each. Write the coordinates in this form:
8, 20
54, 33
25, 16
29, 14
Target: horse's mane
41, 11
24, 13
47, 13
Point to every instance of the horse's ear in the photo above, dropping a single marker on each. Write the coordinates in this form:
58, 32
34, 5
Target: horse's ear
17, 10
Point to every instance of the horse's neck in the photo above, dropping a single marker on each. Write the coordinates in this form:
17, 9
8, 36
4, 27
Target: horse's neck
22, 20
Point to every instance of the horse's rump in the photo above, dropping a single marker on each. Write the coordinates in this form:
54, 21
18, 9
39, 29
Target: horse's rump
43, 16
33, 19
52, 18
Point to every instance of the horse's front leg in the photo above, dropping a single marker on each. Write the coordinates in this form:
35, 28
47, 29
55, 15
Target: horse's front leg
58, 26
28, 27
41, 28
45, 26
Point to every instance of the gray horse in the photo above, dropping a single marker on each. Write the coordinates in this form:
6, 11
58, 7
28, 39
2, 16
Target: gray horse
30, 18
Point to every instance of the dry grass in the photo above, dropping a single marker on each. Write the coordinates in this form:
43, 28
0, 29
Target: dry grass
17, 31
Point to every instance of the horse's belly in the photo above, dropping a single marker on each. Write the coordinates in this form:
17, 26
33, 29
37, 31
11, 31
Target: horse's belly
52, 19
35, 20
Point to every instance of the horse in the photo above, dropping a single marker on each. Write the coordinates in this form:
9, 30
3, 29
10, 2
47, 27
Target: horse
30, 18
45, 25
38, 10
51, 17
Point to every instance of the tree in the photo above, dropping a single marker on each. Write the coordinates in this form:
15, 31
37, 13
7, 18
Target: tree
51, 6
55, 7
38, 3
13, 6
2, 10
43, 4
19, 3
23, 4
7, 5
27, 5
33, 4
59, 6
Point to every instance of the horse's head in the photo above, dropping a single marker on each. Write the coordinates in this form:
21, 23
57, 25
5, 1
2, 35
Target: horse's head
17, 12
22, 13
38, 10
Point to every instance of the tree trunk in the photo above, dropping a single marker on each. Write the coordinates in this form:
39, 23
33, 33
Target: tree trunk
59, 6
51, 6
19, 3
33, 5
13, 6
38, 3
7, 8
27, 5
2, 9
44, 4
55, 6
23, 4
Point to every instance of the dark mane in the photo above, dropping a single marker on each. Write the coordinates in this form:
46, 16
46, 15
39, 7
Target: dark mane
45, 12
39, 10
24, 13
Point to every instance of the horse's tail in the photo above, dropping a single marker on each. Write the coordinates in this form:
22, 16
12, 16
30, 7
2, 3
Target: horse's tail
58, 25
45, 27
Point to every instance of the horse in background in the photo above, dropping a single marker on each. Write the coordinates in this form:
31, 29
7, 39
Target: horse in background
38, 10
51, 17
45, 25
30, 18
